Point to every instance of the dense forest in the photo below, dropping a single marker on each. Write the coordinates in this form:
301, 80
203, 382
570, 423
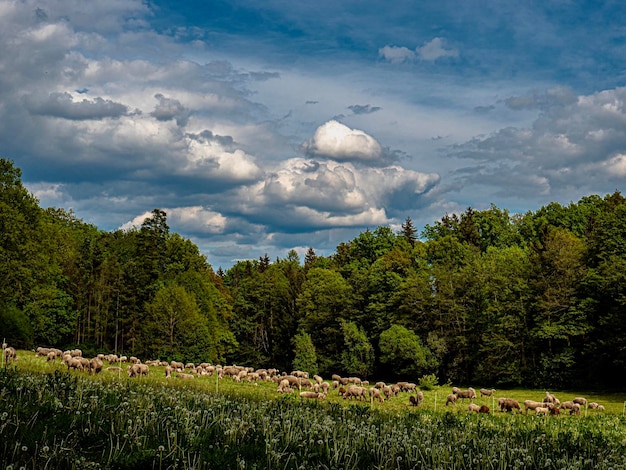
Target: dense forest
482, 297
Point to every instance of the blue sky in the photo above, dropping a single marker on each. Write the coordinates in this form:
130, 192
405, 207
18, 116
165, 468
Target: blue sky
261, 127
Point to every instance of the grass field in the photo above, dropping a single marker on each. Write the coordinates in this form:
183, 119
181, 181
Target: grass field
50, 418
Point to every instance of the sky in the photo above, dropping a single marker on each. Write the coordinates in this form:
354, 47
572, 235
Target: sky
265, 126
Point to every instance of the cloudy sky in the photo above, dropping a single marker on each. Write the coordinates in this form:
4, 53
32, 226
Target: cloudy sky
262, 126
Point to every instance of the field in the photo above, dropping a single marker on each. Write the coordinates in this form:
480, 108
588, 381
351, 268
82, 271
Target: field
52, 419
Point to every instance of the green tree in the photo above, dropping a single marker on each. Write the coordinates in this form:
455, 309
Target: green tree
305, 357
357, 355
404, 355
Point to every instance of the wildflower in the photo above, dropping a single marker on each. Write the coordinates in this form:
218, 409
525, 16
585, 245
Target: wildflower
24, 449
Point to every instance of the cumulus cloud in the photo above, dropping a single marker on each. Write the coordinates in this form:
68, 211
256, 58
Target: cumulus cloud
338, 142
193, 219
168, 109
577, 142
396, 54
435, 49
430, 51
304, 193
62, 105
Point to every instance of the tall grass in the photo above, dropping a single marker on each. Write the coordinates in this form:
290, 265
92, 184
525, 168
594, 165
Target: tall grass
60, 420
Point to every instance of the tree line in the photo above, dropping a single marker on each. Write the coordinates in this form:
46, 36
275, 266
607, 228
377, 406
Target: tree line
483, 297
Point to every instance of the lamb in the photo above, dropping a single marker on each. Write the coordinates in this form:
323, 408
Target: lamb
451, 399
532, 405
473, 407
580, 400
575, 409
508, 404
413, 401
484, 409
595, 406
376, 395
487, 393
542, 410
137, 370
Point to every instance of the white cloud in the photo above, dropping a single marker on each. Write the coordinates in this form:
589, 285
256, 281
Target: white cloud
396, 54
435, 49
338, 142
431, 51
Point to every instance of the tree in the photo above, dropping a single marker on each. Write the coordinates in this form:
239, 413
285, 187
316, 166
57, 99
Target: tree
305, 357
409, 231
357, 355
401, 350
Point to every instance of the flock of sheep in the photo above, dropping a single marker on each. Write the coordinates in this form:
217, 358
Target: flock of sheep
550, 405
350, 388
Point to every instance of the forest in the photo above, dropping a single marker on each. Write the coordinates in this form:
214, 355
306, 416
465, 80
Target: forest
482, 297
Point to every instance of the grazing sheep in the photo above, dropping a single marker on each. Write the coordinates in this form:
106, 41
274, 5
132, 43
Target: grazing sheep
138, 370
375, 394
473, 407
168, 371
508, 404
451, 398
72, 362
114, 369
593, 405
532, 405
470, 393
314, 395
413, 401
484, 409
580, 400
318, 379
380, 385
325, 387
567, 405
341, 391
95, 366
487, 393
283, 385
354, 391
51, 356
575, 409
600, 408
542, 410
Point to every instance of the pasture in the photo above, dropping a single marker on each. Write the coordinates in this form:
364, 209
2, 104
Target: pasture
51, 418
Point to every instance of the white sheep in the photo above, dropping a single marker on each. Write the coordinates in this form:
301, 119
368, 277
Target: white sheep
532, 405
376, 395
487, 393
138, 370
473, 407
451, 398
580, 400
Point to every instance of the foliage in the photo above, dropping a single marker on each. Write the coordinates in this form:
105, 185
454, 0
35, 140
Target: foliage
534, 299
305, 358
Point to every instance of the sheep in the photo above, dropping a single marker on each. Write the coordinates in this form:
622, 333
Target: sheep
182, 375
600, 408
376, 395
487, 393
282, 386
51, 356
312, 395
325, 387
575, 409
318, 379
73, 363
335, 384
549, 398
484, 409
470, 393
567, 405
341, 391
542, 410
451, 398
580, 400
380, 385
532, 405
473, 407
179, 366
595, 406
95, 366
413, 401
168, 371
509, 404
354, 391
10, 355
137, 370
114, 369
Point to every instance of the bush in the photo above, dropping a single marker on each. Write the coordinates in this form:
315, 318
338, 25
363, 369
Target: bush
428, 382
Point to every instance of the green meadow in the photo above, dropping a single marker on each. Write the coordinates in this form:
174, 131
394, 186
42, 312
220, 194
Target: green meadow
54, 419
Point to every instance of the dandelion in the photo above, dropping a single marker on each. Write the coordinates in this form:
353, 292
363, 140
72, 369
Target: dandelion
161, 448
24, 449
46, 449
